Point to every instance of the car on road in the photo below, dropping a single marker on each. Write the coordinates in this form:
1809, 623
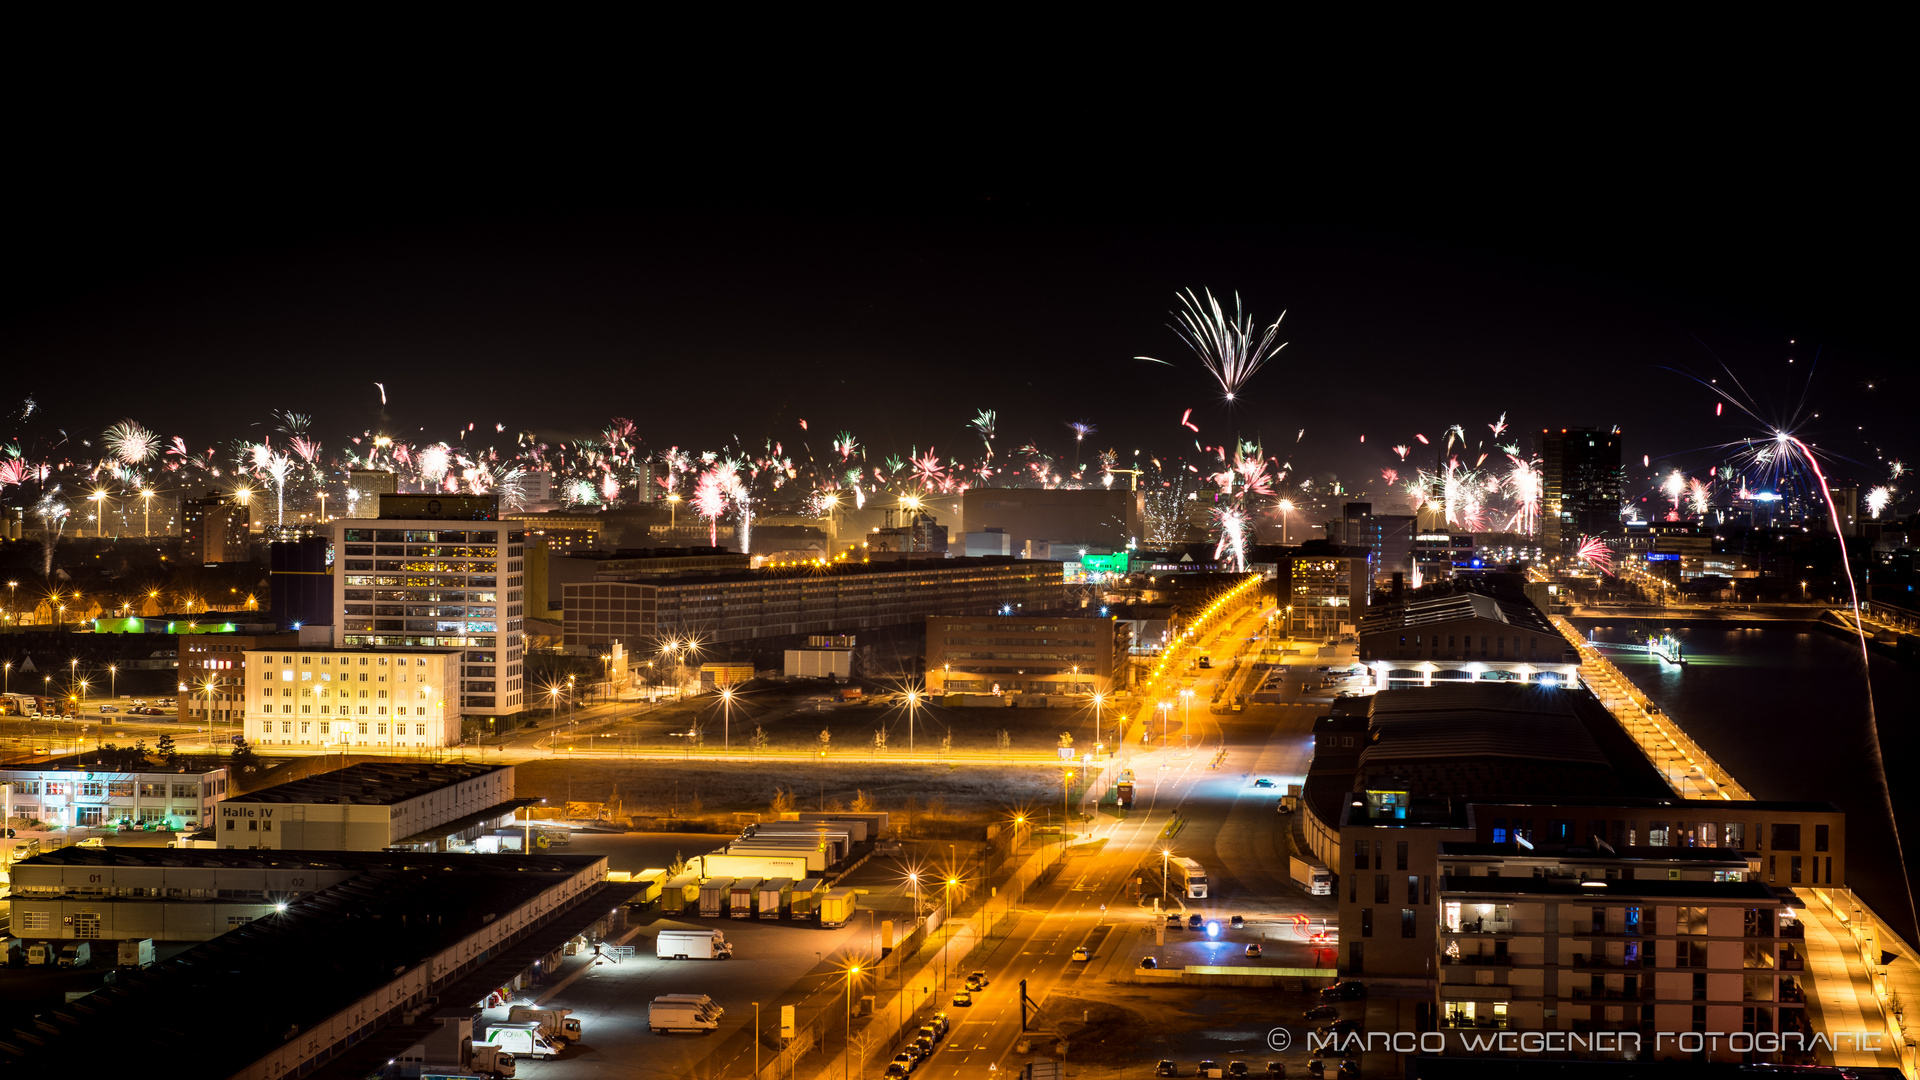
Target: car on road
1321, 1012
1277, 1069
109, 708
1208, 1068
903, 1063
1253, 949
1263, 782
1082, 954
977, 981
1166, 1068
1344, 990
1349, 1067
1236, 1068
941, 1024
1149, 963
922, 1046
1238, 921
930, 1033
962, 999
897, 1071
1316, 1067
1344, 1027
1174, 921
1194, 920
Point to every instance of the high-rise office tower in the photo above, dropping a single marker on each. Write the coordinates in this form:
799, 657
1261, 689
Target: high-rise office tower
1581, 478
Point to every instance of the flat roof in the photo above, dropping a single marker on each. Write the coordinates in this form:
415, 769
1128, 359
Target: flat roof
852, 569
370, 783
362, 650
327, 950
234, 858
1640, 853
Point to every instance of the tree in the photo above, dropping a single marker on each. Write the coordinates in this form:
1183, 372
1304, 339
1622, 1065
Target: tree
140, 753
862, 802
782, 802
1066, 740
759, 740
166, 749
1005, 741
243, 755
678, 866
946, 743
880, 739
826, 737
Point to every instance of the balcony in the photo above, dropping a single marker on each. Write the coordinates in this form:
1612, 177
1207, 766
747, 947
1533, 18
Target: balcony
1478, 959
1485, 1023
1584, 960
1643, 993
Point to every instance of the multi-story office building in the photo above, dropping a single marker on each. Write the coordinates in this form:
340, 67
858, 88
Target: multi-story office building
1388, 536
213, 529
1581, 478
85, 796
364, 700
1105, 519
1026, 654
565, 534
1324, 588
778, 602
1435, 554
438, 572
213, 672
364, 488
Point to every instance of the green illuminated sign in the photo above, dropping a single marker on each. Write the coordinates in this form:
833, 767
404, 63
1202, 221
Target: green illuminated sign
1104, 564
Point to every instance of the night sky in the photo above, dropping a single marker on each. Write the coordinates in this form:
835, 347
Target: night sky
204, 255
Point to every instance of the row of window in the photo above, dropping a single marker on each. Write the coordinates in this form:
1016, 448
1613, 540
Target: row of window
112, 789
1785, 836
379, 727
347, 710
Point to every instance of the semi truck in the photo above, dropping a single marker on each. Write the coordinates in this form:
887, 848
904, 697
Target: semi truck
836, 908
522, 1040
776, 895
1312, 875
558, 1025
683, 1012
679, 894
692, 945
136, 954
742, 896
722, 864
713, 897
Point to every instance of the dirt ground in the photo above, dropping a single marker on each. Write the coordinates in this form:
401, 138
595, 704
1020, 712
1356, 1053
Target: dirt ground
928, 799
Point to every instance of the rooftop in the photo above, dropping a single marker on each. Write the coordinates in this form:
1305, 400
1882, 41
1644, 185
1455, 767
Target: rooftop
189, 858
856, 569
371, 783
396, 916
1655, 889
1582, 852
1456, 607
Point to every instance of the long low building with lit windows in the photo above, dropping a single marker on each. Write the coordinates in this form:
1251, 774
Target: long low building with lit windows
371, 806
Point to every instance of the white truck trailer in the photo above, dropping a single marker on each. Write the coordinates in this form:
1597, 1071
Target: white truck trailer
683, 1012
692, 945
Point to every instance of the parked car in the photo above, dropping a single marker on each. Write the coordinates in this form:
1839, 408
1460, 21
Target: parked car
962, 999
896, 1071
922, 1046
1253, 949
1193, 920
1321, 1012
940, 1023
1344, 990
1345, 1027
1349, 1067
1316, 1067
930, 1033
109, 708
1081, 954
1238, 921
1174, 922
1166, 1068
1277, 1069
1236, 1068
1149, 962
1208, 1069
903, 1064
977, 981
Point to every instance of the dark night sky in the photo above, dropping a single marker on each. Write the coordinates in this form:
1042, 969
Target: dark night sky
717, 265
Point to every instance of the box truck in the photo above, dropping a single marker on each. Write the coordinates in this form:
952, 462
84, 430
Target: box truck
682, 1012
742, 896
679, 894
76, 954
137, 954
775, 897
804, 902
558, 1025
1312, 875
522, 1040
692, 945
836, 907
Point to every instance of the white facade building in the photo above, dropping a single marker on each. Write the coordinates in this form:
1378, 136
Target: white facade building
421, 584
89, 798
371, 806
359, 699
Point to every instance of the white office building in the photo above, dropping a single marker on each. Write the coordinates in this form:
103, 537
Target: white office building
407, 581
89, 797
353, 699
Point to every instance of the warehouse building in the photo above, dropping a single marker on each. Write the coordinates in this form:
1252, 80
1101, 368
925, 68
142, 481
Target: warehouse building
372, 806
339, 983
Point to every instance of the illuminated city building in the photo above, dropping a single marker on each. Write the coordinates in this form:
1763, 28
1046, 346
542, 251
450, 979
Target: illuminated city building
362, 700
213, 530
1024, 654
1581, 478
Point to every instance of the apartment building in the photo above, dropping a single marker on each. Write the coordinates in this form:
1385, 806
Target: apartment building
353, 699
1023, 654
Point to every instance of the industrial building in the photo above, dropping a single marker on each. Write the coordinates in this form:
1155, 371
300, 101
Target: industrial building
86, 796
353, 699
793, 601
372, 806
1465, 633
438, 572
1025, 654
339, 982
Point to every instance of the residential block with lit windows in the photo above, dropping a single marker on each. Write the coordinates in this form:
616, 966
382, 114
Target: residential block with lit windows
353, 699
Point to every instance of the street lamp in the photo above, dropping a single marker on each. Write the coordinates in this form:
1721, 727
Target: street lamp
1166, 857
1098, 700
853, 970
913, 700
1285, 506
673, 506
113, 681
726, 710
1186, 712
99, 500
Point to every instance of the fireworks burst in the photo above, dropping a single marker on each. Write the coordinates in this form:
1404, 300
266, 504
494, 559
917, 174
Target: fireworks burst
1402, 451
1081, 429
1523, 482
1233, 536
1594, 552
130, 443
1227, 347
1878, 498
